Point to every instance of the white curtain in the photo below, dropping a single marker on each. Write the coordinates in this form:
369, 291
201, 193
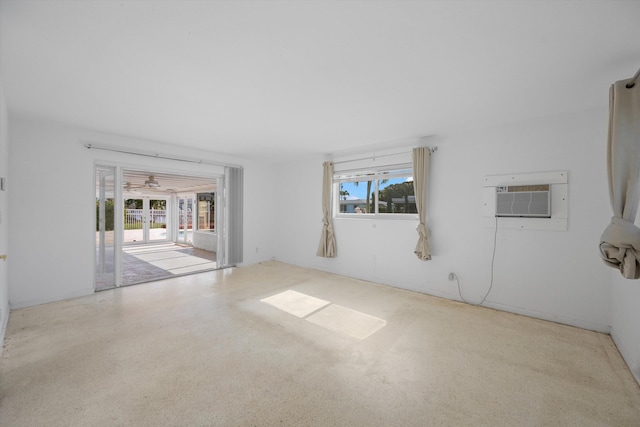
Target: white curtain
327, 248
620, 241
421, 157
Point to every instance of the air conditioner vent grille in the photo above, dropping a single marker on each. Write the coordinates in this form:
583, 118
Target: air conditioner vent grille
522, 203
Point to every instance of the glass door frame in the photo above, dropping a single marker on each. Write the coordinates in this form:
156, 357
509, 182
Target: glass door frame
185, 198
151, 218
100, 246
145, 218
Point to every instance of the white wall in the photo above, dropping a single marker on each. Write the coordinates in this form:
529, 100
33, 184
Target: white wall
550, 275
4, 217
625, 319
52, 201
205, 240
554, 275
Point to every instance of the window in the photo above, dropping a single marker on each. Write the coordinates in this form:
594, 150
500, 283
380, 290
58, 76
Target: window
376, 192
206, 211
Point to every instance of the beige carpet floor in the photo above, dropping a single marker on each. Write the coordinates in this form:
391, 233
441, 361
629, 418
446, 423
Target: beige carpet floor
210, 350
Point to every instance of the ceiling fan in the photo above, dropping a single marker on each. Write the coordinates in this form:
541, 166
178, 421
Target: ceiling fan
131, 188
151, 182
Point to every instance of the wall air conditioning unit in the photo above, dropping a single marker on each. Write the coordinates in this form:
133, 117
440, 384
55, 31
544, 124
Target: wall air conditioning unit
523, 201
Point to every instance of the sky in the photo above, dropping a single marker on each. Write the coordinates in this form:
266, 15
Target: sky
359, 191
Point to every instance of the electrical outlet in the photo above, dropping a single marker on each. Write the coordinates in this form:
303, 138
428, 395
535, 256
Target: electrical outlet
452, 276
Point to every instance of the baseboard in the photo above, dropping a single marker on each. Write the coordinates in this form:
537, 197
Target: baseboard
38, 301
551, 317
4, 321
565, 320
535, 314
634, 367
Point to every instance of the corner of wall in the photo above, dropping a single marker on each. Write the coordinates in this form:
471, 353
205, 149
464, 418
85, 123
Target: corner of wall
625, 297
4, 321
634, 365
4, 226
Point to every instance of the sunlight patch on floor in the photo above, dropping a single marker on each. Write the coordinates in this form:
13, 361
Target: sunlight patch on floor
210, 265
155, 256
322, 313
296, 303
139, 249
347, 321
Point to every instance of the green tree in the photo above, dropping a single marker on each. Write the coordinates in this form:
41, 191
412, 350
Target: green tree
109, 214
158, 204
133, 203
370, 194
399, 191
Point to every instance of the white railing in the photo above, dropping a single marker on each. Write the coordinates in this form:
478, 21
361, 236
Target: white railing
134, 218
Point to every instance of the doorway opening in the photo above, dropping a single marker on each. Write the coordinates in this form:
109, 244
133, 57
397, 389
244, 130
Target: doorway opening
153, 225
164, 235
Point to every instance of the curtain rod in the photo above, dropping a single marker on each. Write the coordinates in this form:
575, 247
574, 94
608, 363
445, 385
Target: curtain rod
632, 83
431, 151
155, 155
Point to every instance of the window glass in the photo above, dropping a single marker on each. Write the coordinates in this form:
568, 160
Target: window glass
206, 211
378, 192
356, 197
397, 196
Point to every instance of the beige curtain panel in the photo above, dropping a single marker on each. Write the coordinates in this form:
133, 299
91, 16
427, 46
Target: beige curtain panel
421, 158
620, 241
327, 248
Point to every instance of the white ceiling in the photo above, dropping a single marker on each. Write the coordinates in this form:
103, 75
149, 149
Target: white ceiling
274, 78
136, 182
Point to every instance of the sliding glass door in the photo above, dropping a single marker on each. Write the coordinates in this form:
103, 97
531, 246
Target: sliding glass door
140, 213
105, 276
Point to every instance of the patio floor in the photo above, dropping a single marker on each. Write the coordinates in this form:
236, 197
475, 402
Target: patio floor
144, 263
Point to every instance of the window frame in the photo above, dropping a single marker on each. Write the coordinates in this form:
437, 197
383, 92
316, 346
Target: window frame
376, 175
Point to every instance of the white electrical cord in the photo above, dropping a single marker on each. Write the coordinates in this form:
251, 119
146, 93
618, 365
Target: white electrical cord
493, 258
